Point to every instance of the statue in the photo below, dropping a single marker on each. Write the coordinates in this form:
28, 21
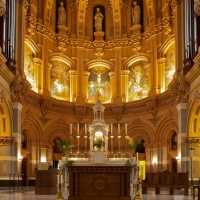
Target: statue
98, 20
61, 14
136, 13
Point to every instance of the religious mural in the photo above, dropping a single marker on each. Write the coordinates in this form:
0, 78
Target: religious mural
99, 86
138, 81
60, 81
29, 66
169, 66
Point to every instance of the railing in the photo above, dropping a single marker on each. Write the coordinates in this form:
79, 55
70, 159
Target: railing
14, 183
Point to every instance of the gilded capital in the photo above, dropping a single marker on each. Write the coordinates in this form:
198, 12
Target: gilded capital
152, 105
197, 7
2, 8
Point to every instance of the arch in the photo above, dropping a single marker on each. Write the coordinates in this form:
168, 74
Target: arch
194, 121
166, 129
133, 59
65, 59
166, 45
35, 49
5, 122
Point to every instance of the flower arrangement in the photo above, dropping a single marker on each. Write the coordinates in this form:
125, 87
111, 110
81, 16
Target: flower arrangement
99, 143
133, 143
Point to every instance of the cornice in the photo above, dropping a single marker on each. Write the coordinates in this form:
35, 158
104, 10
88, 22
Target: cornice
76, 42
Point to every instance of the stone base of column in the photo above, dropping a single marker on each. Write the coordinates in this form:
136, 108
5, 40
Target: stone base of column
99, 35
62, 29
117, 100
136, 29
80, 99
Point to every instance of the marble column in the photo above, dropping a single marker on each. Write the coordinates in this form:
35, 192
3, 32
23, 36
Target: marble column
183, 152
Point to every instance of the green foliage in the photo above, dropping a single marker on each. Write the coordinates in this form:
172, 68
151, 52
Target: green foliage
99, 143
128, 163
64, 145
133, 143
69, 163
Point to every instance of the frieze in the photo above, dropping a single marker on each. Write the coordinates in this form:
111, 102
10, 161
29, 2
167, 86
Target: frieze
41, 144
19, 89
2, 8
46, 106
191, 141
152, 106
2, 96
118, 43
6, 141
157, 144
117, 111
80, 112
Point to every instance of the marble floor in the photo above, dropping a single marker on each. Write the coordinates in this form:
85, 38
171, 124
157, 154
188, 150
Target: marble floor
28, 193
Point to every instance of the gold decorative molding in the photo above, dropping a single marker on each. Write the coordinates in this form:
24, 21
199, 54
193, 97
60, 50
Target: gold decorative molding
197, 96
80, 111
2, 8
41, 144
191, 141
152, 106
179, 88
117, 112
2, 96
19, 88
46, 106
197, 7
158, 144
6, 141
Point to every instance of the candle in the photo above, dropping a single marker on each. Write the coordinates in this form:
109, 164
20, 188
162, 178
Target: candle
118, 129
70, 129
85, 129
111, 127
78, 129
137, 156
126, 128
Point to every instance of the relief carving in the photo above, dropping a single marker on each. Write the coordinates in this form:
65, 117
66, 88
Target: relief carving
179, 88
197, 96
2, 8
80, 112
152, 106
191, 141
19, 89
2, 96
197, 7
6, 141
46, 106
117, 112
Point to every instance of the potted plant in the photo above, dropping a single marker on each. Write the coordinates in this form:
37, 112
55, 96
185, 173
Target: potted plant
65, 145
133, 144
99, 144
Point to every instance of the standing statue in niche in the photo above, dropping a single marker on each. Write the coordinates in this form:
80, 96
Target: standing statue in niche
136, 13
61, 14
98, 20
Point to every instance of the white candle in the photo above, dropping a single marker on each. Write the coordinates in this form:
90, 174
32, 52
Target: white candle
78, 129
85, 129
126, 128
118, 129
70, 129
111, 127
137, 156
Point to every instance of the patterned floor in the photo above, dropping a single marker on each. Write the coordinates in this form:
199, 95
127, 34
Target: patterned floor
28, 193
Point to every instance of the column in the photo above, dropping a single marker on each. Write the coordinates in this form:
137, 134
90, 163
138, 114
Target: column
118, 65
17, 110
45, 71
153, 74
85, 83
125, 76
37, 74
179, 37
73, 85
183, 152
112, 85
19, 47
80, 98
32, 161
161, 71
